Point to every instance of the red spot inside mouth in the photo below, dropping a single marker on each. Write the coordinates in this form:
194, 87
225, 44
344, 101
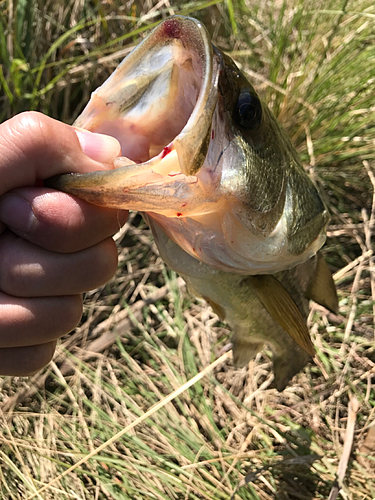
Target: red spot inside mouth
172, 28
166, 151
212, 134
178, 214
183, 205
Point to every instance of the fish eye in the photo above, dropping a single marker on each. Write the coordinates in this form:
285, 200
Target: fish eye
248, 110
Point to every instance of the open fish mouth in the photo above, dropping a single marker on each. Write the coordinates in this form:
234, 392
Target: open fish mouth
202, 156
160, 100
158, 104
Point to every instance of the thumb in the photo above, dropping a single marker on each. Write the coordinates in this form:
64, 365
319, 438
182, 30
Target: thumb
34, 147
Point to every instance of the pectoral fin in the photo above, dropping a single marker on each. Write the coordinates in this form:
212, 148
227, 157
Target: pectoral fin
322, 288
280, 305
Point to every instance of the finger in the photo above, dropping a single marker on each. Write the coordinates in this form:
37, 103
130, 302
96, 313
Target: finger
34, 146
27, 322
25, 361
58, 221
27, 270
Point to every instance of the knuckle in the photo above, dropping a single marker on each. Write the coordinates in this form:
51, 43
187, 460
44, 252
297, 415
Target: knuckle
71, 314
102, 260
8, 256
108, 259
25, 361
38, 357
29, 124
37, 126
25, 133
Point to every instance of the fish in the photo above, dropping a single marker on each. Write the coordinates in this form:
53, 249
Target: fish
229, 203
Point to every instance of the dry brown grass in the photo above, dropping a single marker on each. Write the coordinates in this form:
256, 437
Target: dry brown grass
230, 435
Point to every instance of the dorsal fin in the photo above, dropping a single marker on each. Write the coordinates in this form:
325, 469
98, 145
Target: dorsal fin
322, 288
280, 305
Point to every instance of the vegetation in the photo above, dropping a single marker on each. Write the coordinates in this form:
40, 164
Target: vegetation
229, 435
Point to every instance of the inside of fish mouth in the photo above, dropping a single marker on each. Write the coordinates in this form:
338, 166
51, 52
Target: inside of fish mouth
162, 107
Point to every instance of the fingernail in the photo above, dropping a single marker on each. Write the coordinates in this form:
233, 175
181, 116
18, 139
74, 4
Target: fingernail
98, 147
16, 213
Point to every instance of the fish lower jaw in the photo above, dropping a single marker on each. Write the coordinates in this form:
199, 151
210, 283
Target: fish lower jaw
203, 239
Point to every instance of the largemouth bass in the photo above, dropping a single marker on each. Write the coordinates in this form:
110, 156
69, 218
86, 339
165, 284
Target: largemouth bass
229, 203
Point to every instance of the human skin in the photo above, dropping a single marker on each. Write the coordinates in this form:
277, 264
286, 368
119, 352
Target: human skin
53, 247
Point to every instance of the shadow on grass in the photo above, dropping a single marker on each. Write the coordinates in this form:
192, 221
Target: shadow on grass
288, 479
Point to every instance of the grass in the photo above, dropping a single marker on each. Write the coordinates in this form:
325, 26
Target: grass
230, 435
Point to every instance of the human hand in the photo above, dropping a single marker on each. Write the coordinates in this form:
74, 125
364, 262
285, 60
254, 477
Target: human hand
53, 247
